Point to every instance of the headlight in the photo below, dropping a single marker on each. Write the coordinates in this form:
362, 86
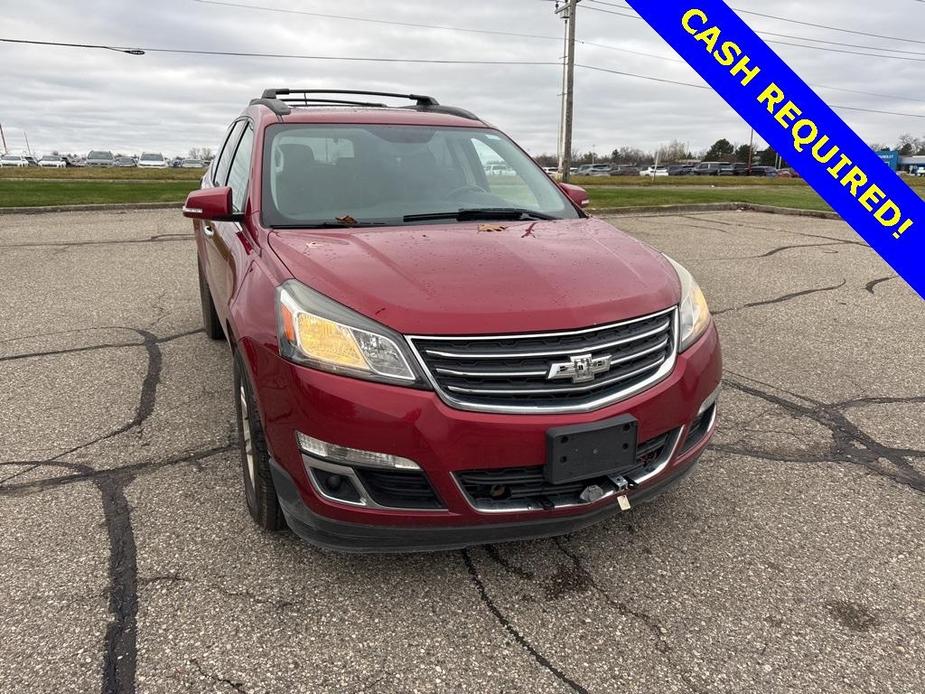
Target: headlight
695, 314
319, 332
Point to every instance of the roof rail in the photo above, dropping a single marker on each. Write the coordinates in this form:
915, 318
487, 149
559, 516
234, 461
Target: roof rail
418, 98
271, 98
448, 110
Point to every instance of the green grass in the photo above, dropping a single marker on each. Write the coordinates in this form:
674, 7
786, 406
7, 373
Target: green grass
86, 173
801, 198
708, 181
51, 188
36, 193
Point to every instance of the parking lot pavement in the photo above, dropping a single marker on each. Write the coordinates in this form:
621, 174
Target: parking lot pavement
792, 560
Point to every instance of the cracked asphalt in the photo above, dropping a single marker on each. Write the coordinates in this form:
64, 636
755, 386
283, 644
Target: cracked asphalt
792, 560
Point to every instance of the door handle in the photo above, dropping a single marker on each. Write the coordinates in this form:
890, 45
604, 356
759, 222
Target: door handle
208, 229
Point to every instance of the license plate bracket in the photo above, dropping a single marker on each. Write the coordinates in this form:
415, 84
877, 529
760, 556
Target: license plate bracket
585, 451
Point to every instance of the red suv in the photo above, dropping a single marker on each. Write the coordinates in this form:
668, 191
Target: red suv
434, 346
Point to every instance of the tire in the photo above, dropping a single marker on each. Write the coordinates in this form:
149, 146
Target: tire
210, 320
259, 492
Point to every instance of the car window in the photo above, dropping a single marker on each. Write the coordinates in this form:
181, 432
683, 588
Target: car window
223, 163
502, 179
315, 174
239, 174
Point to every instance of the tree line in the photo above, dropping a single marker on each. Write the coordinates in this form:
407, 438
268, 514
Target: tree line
675, 151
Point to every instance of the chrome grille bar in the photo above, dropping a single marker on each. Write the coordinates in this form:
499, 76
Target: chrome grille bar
568, 371
559, 389
552, 353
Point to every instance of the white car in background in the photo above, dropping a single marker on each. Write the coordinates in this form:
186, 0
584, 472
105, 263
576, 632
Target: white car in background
52, 161
654, 171
151, 160
18, 160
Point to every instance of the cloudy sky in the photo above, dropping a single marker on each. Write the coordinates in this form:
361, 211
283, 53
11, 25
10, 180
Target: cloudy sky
76, 99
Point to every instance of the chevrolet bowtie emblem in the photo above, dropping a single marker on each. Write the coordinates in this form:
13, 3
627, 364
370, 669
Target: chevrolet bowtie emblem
580, 369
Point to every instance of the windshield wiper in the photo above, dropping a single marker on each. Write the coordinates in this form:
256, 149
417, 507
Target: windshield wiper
484, 213
329, 225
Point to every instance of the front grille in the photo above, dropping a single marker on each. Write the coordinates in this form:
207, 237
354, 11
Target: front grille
517, 372
399, 489
525, 488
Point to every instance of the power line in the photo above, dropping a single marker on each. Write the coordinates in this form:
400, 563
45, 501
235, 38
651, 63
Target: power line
413, 61
117, 49
416, 25
801, 38
794, 21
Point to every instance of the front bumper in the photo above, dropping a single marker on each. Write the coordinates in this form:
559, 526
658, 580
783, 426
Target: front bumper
370, 539
417, 425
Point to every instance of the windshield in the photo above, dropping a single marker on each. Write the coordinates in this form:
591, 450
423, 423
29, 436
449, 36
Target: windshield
152, 157
99, 155
10, 157
317, 175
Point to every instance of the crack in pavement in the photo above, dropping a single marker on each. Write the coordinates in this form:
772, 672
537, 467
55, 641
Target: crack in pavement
781, 299
91, 348
174, 578
542, 660
652, 624
146, 400
92, 475
850, 443
120, 652
870, 286
158, 238
236, 686
120, 641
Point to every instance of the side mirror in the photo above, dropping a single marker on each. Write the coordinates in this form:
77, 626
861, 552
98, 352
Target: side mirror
576, 194
212, 204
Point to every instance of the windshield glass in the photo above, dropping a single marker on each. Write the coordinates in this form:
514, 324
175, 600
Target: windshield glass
10, 157
384, 174
152, 157
99, 155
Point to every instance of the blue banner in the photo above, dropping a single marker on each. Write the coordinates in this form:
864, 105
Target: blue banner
808, 134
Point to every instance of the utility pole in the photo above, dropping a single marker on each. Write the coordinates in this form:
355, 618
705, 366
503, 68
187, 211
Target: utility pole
751, 152
3, 140
28, 146
571, 8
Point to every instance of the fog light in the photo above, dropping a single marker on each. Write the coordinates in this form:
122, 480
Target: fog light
354, 456
334, 482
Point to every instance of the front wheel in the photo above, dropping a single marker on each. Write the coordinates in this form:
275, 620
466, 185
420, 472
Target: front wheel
211, 323
259, 492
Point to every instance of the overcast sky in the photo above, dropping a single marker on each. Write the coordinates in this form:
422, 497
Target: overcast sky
73, 100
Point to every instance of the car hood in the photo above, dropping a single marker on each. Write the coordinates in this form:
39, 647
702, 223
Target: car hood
472, 278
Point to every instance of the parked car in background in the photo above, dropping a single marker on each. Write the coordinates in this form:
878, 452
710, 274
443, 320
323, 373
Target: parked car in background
788, 173
100, 158
389, 396
497, 169
763, 171
654, 171
75, 161
17, 160
152, 160
598, 170
52, 161
736, 169
124, 162
680, 169
708, 168
624, 170
192, 164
